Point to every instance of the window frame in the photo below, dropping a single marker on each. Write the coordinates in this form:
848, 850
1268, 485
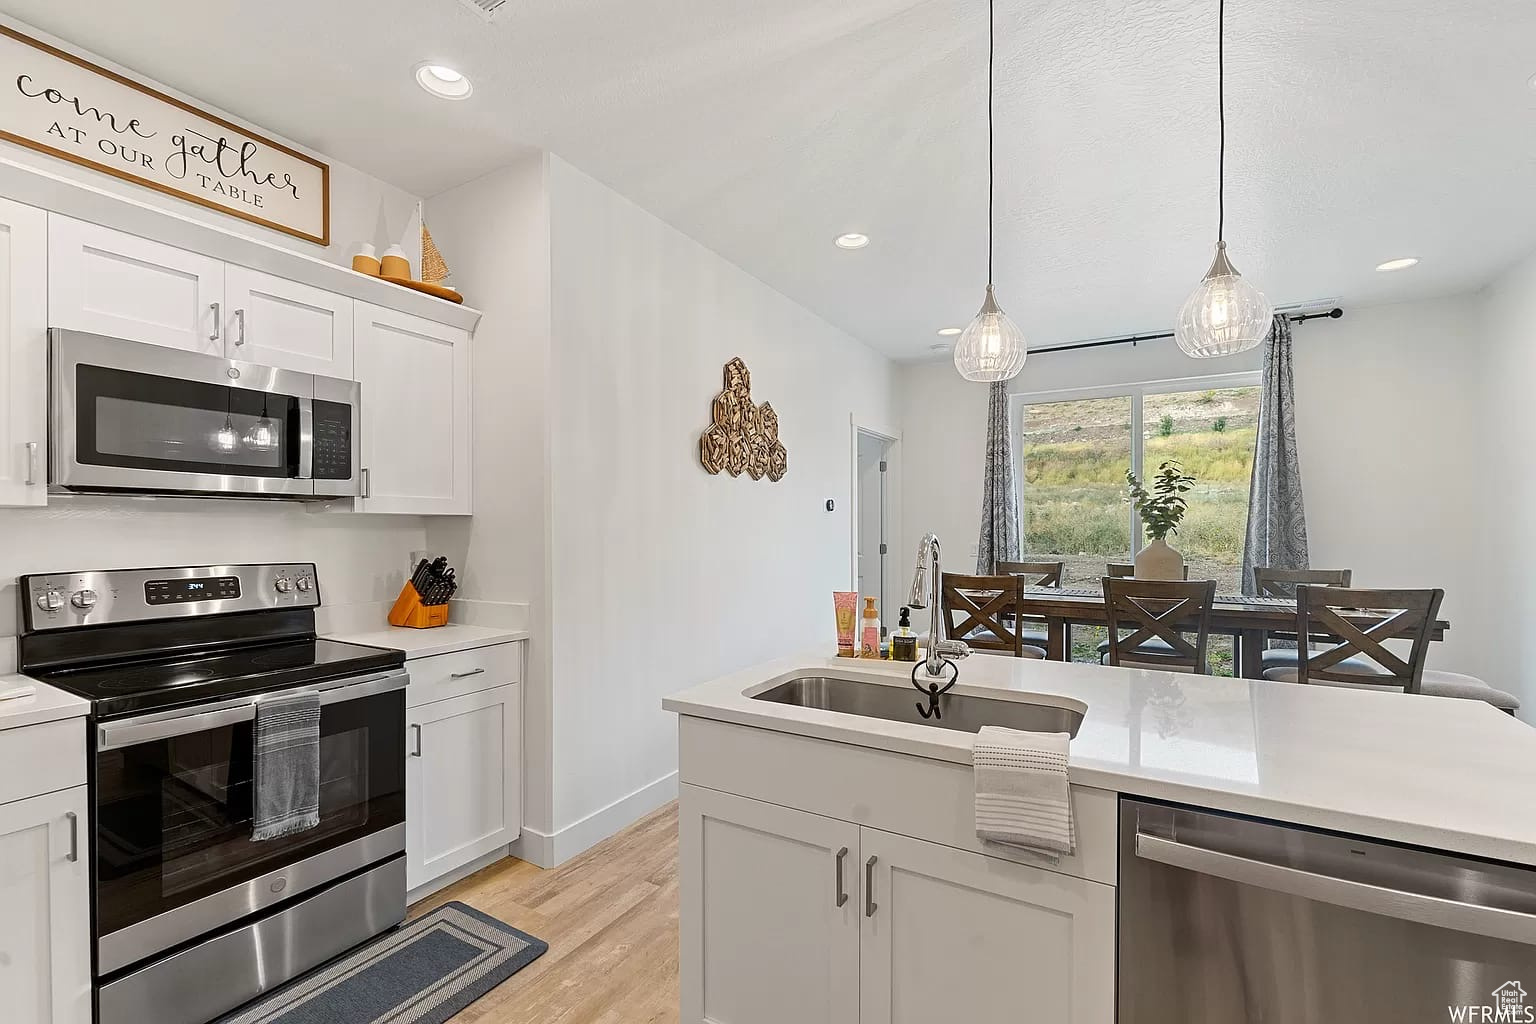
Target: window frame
1020, 402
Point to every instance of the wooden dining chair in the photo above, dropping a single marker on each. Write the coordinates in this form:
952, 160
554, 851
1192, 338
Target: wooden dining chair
1035, 574
1150, 623
1127, 570
983, 611
1269, 582
1359, 658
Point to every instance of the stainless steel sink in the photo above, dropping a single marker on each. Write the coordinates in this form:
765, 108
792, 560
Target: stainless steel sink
959, 711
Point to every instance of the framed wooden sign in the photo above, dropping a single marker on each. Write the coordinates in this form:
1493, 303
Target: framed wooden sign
56, 103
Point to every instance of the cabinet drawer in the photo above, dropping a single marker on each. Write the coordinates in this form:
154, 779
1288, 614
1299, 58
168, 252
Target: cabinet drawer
449, 675
53, 755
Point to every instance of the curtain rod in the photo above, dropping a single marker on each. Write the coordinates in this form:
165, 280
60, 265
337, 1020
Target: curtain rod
1296, 318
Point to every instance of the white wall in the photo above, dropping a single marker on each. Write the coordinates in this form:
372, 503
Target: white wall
1388, 421
360, 559
1505, 421
497, 230
363, 208
665, 576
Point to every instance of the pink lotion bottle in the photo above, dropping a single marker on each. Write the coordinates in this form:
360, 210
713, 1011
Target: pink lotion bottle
869, 632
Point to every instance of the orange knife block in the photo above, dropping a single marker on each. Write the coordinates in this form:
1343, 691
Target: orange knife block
409, 611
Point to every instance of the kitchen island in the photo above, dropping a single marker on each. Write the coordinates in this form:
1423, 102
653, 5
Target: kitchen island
830, 869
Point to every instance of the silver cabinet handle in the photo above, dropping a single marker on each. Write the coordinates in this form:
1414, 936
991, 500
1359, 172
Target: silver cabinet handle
1496, 922
417, 752
217, 316
367, 491
465, 675
74, 836
31, 463
870, 906
240, 327
842, 894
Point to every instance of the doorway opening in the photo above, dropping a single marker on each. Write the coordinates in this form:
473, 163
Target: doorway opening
872, 524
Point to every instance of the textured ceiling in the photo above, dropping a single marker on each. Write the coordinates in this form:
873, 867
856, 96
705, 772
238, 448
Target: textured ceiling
1357, 132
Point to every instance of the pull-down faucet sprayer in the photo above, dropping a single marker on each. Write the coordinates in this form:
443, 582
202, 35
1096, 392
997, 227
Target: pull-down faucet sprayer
926, 583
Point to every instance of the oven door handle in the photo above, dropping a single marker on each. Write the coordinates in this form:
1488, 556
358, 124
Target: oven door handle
114, 735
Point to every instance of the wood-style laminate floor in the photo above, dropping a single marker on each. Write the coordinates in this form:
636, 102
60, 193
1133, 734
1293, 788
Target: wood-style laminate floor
610, 918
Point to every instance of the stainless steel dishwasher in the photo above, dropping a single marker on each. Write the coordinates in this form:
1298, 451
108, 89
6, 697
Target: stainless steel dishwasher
1226, 919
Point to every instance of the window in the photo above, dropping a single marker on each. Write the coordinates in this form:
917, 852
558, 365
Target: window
1074, 452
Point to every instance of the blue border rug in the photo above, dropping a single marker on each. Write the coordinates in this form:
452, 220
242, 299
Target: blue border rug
423, 972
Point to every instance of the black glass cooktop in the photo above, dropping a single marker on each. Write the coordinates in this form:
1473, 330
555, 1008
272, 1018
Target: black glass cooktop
155, 684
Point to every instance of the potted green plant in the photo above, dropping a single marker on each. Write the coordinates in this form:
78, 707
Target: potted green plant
1162, 508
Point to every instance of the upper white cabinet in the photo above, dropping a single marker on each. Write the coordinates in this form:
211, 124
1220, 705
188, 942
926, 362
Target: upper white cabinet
278, 322
123, 286
23, 355
770, 913
954, 936
416, 413
45, 929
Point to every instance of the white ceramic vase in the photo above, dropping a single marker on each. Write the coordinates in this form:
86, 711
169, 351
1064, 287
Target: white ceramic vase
1158, 561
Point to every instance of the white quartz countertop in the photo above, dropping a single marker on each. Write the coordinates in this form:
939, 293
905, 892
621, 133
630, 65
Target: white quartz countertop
45, 704
1454, 775
423, 643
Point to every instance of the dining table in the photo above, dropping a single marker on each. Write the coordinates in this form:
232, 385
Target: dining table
1248, 620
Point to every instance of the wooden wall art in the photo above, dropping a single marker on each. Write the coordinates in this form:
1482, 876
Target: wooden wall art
743, 437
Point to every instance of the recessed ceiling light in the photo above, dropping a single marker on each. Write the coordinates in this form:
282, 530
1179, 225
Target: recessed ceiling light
852, 240
1398, 264
948, 332
442, 81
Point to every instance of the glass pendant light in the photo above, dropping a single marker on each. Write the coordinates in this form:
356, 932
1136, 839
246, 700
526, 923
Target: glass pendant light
262, 437
1225, 314
225, 439
991, 348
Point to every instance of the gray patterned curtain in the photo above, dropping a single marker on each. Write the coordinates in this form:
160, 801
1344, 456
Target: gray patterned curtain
1277, 516
999, 497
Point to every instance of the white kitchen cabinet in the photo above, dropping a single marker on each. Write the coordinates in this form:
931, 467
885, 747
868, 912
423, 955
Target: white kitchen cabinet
45, 927
770, 912
952, 935
123, 286
23, 355
288, 324
463, 781
415, 377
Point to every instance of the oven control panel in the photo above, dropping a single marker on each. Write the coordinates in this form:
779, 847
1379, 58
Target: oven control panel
68, 599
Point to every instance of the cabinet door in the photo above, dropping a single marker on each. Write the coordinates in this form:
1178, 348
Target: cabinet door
416, 413
463, 795
45, 928
955, 936
283, 323
117, 284
23, 355
770, 913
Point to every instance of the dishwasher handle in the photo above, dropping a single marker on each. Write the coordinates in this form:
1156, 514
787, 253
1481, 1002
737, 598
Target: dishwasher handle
1422, 908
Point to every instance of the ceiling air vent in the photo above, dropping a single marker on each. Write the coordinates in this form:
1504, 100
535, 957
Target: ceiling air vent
487, 9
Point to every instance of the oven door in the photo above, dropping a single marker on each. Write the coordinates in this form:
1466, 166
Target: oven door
129, 416
172, 851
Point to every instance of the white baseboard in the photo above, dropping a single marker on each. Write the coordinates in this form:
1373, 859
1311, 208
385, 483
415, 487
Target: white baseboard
549, 850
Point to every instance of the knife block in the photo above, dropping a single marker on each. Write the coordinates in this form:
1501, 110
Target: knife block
409, 611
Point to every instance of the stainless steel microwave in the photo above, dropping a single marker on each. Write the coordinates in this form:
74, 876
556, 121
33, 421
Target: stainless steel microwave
130, 417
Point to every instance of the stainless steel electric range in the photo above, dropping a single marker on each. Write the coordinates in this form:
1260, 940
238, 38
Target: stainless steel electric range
192, 917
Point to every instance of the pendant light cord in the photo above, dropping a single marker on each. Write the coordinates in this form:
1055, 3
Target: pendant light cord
991, 188
1221, 117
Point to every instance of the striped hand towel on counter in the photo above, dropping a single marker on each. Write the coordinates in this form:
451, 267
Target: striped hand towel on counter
1022, 796
287, 769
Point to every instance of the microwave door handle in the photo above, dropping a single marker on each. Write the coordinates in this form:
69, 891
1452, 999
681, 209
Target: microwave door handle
1403, 904
306, 439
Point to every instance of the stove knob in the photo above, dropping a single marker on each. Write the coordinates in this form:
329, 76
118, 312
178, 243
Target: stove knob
306, 584
50, 600
283, 584
84, 599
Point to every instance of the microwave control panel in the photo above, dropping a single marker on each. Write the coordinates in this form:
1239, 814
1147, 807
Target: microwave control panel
333, 441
